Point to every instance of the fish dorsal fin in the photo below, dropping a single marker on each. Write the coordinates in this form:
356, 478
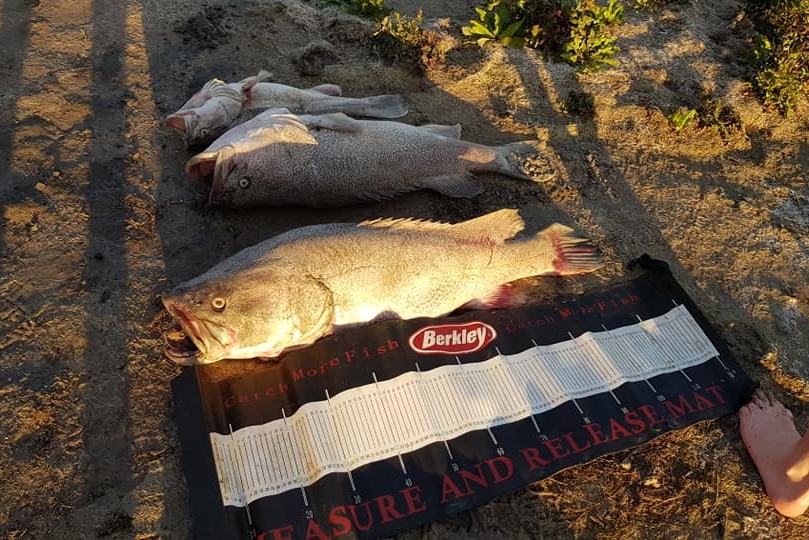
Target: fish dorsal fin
497, 226
218, 88
332, 121
250, 82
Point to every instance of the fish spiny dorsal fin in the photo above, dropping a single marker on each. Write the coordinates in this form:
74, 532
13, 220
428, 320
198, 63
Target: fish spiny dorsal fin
495, 227
223, 90
210, 86
406, 223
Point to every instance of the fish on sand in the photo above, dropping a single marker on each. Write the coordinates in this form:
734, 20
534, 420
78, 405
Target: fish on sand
292, 289
218, 105
281, 159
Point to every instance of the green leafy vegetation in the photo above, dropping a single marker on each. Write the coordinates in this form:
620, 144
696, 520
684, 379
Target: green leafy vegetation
780, 58
370, 9
681, 118
651, 5
591, 44
577, 31
404, 37
717, 116
495, 24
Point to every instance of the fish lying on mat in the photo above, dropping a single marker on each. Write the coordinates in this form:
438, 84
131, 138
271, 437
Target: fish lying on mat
292, 289
219, 106
280, 159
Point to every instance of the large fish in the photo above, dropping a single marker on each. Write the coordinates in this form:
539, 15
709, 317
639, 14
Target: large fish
218, 106
281, 159
292, 289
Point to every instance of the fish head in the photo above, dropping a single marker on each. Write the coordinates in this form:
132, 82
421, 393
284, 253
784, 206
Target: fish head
209, 113
217, 168
234, 180
254, 312
200, 127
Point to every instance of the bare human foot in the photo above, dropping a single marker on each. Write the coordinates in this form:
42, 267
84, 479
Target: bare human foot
780, 453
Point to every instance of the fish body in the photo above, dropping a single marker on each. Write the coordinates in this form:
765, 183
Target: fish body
281, 159
292, 289
218, 106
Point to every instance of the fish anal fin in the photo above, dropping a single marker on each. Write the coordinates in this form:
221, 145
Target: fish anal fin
573, 254
458, 186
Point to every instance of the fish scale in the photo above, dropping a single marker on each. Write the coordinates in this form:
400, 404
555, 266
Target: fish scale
282, 159
292, 289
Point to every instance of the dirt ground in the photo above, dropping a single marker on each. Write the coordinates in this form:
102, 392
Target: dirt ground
99, 220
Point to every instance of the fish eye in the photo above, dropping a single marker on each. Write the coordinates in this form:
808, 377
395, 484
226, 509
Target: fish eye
204, 132
218, 303
244, 182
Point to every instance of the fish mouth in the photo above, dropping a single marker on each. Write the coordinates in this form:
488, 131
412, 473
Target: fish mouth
201, 333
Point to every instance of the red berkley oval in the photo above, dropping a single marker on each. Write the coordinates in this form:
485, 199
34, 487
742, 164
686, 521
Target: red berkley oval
460, 338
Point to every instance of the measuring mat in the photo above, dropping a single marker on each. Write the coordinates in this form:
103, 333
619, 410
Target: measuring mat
379, 429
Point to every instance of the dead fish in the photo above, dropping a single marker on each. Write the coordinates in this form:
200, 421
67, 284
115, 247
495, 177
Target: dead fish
219, 106
280, 159
292, 289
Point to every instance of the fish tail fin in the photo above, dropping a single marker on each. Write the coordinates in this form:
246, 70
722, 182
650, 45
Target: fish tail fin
570, 252
387, 106
512, 158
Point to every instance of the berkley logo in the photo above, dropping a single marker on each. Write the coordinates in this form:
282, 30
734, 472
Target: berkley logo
462, 338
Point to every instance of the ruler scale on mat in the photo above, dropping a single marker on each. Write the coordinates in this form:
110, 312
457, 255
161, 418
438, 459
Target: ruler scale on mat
378, 429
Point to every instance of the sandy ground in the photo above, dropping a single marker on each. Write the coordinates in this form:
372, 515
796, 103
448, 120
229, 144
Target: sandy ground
98, 220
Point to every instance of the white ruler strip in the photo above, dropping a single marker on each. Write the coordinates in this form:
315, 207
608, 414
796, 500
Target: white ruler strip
389, 418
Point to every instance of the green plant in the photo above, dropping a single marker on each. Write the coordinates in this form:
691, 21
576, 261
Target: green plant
495, 24
719, 117
547, 24
650, 5
403, 37
370, 9
682, 117
579, 104
591, 45
780, 56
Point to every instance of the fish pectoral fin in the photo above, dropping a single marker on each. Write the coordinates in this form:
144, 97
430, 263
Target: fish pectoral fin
573, 253
328, 89
316, 314
451, 132
503, 297
459, 186
201, 167
332, 121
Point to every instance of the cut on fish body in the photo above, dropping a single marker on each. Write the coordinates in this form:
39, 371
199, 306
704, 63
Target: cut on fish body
283, 159
218, 106
294, 288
